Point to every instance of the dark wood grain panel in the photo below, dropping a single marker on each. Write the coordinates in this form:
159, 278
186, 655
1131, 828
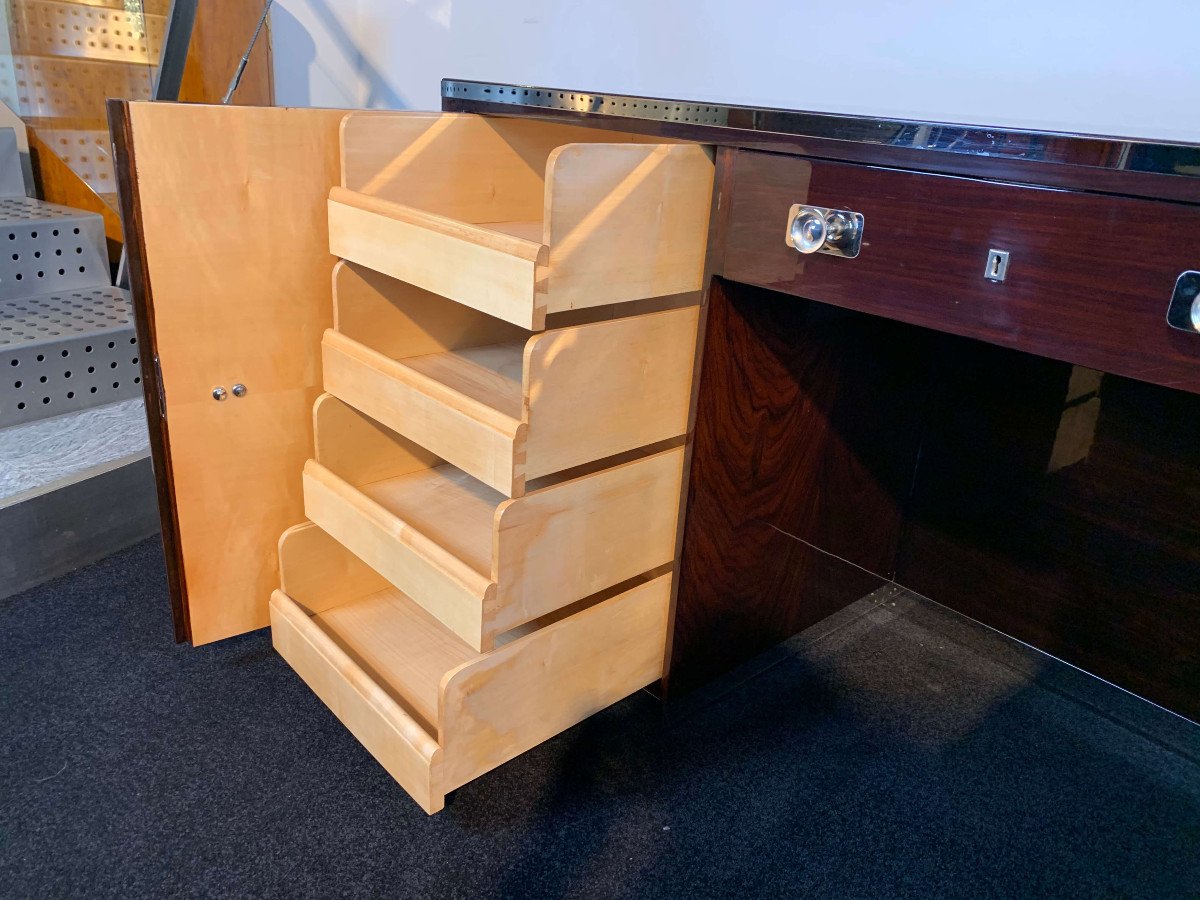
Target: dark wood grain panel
1089, 280
794, 508
1069, 522
835, 450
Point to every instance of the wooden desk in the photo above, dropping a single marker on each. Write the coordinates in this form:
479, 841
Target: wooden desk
1026, 452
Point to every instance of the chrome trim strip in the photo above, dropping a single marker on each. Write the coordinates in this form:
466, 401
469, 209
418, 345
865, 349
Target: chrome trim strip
1097, 151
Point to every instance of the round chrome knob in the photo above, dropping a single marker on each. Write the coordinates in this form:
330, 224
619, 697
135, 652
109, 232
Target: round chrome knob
1196, 313
841, 227
808, 231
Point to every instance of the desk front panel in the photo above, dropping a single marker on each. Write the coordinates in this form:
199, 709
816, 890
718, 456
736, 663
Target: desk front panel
1089, 279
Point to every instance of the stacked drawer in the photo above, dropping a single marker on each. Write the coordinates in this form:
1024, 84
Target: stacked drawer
499, 454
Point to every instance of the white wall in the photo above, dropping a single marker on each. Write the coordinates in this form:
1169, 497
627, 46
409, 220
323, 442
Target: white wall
1127, 67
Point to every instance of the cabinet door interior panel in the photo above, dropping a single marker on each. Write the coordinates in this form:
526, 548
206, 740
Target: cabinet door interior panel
225, 212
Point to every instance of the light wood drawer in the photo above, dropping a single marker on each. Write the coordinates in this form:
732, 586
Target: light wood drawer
480, 563
435, 713
501, 404
519, 218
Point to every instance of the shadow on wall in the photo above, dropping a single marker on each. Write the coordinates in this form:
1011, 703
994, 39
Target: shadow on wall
342, 74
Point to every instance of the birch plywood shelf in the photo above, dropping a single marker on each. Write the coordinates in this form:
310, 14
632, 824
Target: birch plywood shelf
501, 404
518, 218
431, 710
479, 563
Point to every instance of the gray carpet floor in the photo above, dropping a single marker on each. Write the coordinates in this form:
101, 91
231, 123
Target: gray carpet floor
894, 750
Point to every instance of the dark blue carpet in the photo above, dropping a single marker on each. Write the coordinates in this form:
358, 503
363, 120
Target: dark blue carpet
894, 750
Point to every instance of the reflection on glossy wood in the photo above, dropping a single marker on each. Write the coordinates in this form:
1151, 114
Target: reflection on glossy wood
1081, 162
1093, 556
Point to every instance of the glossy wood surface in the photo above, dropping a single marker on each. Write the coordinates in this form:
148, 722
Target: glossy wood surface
1089, 278
795, 501
1069, 522
1054, 503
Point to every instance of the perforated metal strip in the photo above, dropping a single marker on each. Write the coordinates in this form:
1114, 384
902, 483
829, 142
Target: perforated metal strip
1096, 151
582, 101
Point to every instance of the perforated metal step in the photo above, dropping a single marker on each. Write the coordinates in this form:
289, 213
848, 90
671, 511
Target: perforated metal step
66, 351
45, 247
66, 335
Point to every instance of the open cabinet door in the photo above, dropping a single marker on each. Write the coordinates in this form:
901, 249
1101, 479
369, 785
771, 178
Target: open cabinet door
224, 210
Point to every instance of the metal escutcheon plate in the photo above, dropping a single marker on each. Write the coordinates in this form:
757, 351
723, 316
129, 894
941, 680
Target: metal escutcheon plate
818, 229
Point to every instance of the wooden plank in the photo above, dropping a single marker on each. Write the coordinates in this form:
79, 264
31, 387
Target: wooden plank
400, 476
219, 37
489, 271
231, 207
501, 241
624, 222
575, 539
448, 506
474, 436
400, 320
469, 168
517, 696
380, 724
600, 389
437, 579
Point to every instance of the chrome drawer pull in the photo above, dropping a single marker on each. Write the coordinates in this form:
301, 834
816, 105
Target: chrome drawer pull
1184, 311
815, 229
